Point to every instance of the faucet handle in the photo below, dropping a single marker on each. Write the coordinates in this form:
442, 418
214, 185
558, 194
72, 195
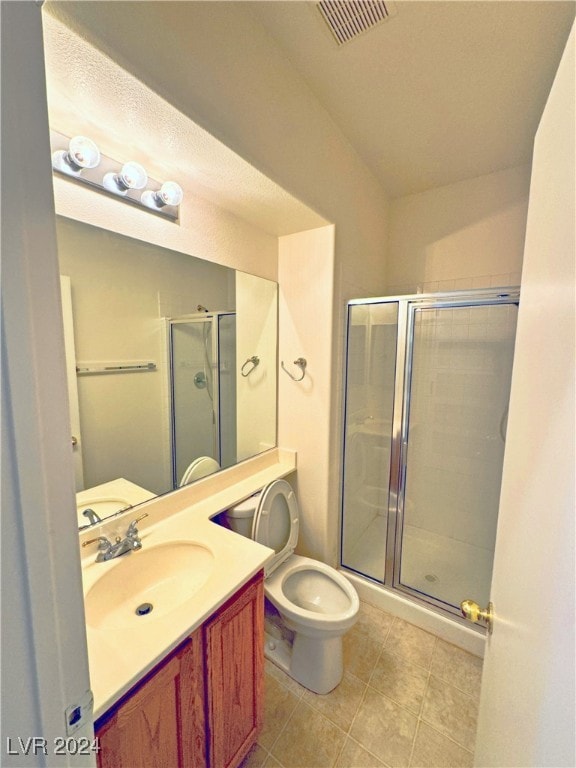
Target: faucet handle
132, 526
103, 542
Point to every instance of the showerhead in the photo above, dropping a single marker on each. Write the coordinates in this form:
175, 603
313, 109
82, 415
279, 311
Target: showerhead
201, 308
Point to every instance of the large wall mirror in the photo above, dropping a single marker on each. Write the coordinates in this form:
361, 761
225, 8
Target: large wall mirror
172, 365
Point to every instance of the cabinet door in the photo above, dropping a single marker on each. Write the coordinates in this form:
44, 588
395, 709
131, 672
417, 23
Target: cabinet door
161, 724
234, 669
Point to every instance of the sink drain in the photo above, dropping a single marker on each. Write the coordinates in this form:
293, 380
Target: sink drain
144, 609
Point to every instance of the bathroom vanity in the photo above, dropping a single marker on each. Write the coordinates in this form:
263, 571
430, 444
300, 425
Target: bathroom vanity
202, 705
175, 629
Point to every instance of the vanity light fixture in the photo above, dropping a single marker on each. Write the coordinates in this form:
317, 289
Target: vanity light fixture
169, 193
131, 176
80, 161
81, 153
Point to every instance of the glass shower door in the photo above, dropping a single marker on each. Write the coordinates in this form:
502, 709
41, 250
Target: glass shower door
370, 389
457, 388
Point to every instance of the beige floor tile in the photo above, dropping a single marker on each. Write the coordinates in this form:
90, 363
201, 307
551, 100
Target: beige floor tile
411, 643
433, 750
341, 704
256, 758
361, 653
374, 622
400, 680
279, 703
309, 740
281, 676
355, 756
385, 729
457, 667
450, 711
271, 762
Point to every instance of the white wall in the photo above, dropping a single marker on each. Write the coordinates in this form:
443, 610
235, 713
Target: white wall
465, 235
205, 230
256, 334
306, 324
527, 709
44, 657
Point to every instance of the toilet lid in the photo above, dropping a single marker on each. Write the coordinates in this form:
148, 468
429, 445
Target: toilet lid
200, 467
276, 521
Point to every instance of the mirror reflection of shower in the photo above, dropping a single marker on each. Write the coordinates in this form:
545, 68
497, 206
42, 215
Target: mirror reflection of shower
202, 364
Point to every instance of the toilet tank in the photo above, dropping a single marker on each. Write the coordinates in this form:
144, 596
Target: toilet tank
241, 516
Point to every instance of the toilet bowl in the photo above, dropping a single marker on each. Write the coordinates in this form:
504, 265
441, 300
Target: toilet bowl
310, 606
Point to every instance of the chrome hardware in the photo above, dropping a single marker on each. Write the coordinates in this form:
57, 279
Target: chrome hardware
301, 363
200, 380
92, 516
254, 361
108, 550
475, 614
74, 441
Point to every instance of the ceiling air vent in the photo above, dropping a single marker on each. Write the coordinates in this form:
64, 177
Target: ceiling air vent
349, 18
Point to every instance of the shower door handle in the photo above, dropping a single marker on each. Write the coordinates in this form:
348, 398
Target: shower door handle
484, 616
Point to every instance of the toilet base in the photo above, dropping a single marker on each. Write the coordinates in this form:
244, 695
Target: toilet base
317, 667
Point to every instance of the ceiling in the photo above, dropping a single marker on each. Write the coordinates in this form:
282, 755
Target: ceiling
439, 92
442, 91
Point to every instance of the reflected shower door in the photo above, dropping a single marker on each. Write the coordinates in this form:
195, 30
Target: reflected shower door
370, 385
194, 431
227, 389
457, 389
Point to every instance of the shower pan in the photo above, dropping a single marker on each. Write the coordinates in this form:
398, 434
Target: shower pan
426, 402
202, 372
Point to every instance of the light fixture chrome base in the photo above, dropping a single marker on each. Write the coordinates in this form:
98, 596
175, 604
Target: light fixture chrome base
103, 179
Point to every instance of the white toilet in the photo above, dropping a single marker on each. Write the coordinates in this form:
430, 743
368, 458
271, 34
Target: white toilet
309, 605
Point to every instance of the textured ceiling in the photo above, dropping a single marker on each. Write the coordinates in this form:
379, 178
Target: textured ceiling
440, 92
90, 94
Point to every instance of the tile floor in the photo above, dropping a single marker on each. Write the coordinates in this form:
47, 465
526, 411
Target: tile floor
408, 700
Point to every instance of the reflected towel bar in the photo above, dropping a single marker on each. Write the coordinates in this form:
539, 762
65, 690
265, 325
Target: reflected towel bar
115, 367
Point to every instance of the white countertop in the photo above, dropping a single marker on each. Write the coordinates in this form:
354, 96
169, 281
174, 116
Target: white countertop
121, 655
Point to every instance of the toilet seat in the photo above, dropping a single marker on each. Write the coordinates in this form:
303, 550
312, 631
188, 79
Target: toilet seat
200, 467
276, 522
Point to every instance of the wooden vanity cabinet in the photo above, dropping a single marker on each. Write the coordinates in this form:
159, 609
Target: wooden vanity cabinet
202, 706
234, 674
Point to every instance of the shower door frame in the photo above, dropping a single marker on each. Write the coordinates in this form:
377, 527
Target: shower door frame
197, 318
407, 306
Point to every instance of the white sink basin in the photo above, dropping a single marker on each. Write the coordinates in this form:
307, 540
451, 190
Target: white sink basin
147, 584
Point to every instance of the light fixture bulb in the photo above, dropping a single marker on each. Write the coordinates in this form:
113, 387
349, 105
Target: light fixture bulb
132, 176
169, 193
82, 153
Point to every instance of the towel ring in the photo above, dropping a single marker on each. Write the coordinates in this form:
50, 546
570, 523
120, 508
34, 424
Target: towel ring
254, 361
301, 363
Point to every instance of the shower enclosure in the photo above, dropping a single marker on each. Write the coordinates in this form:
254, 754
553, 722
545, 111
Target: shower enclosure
426, 403
202, 365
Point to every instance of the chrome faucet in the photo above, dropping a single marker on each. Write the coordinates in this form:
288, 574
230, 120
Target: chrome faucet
92, 516
108, 550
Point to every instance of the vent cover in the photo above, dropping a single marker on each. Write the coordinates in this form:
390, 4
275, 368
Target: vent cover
349, 18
